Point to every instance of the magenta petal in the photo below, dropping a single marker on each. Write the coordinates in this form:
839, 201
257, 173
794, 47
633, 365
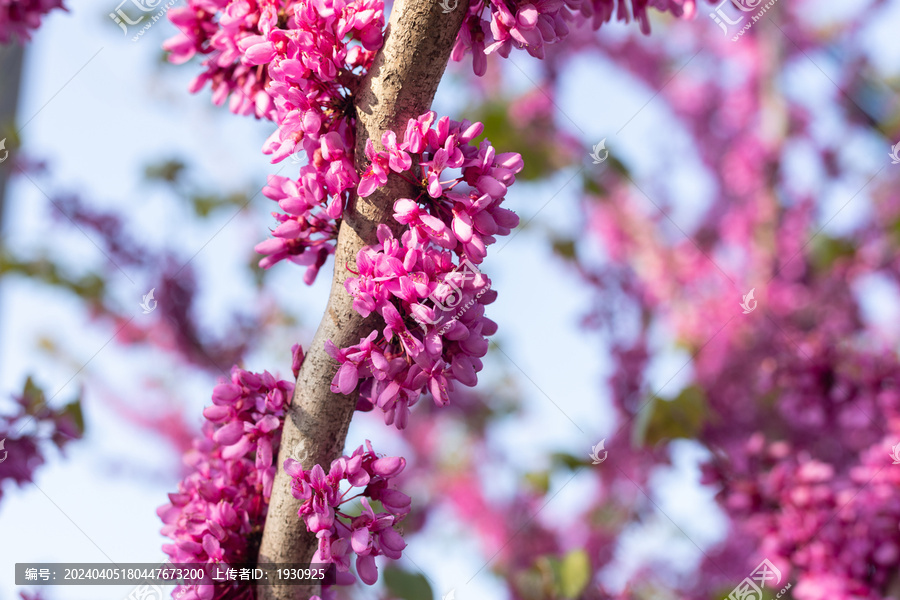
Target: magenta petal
230, 434
293, 467
434, 186
388, 466
365, 566
396, 502
405, 209
347, 377
210, 545
527, 16
392, 540
238, 450
367, 185
263, 453
227, 393
462, 228
258, 54
189, 546
463, 370
490, 186
359, 478
296, 359
359, 540
320, 521
216, 413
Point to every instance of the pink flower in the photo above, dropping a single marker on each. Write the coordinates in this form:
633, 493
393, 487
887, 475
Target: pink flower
367, 535
375, 174
298, 77
427, 276
224, 498
532, 25
19, 17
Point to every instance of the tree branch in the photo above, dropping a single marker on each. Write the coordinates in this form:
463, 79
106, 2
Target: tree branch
400, 85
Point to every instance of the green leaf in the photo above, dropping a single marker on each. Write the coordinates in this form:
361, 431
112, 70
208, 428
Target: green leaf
894, 230
593, 188
681, 417
539, 480
532, 584
541, 158
826, 250
407, 586
565, 248
34, 397
168, 171
567, 460
204, 204
89, 287
72, 411
574, 573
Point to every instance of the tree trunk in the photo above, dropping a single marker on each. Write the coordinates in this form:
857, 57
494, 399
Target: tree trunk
11, 58
10, 81
400, 85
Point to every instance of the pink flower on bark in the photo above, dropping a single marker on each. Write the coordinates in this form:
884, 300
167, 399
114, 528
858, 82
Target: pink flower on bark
325, 510
220, 507
426, 285
312, 64
501, 25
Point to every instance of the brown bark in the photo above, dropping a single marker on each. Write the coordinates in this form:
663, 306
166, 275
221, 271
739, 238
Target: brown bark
400, 85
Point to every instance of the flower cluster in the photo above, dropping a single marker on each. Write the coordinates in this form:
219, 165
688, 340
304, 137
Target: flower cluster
426, 284
220, 508
313, 66
309, 43
368, 534
296, 65
18, 17
821, 506
837, 530
532, 25
215, 28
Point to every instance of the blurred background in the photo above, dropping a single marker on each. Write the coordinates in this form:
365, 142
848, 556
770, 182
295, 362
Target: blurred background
762, 163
